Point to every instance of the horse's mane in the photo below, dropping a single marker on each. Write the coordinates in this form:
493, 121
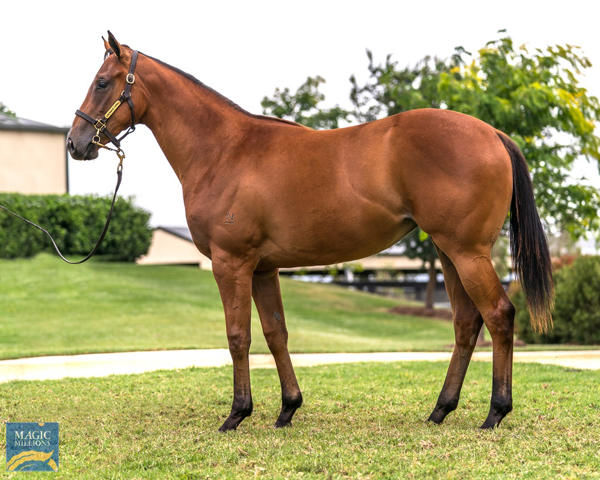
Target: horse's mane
222, 97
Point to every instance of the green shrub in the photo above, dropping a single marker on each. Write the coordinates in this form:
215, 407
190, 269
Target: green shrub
577, 306
75, 222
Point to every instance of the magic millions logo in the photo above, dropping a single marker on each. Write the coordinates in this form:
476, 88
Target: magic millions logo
32, 447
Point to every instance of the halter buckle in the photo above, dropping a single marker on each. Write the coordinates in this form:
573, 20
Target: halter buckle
99, 125
130, 78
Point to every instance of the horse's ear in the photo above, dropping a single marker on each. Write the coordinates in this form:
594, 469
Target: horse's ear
107, 47
112, 43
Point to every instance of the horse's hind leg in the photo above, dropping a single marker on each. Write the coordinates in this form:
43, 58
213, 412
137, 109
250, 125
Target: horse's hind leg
267, 297
467, 323
480, 281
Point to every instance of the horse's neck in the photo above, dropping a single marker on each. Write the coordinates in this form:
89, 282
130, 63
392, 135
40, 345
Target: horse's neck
191, 123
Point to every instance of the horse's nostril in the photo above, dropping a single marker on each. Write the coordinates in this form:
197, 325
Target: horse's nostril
70, 144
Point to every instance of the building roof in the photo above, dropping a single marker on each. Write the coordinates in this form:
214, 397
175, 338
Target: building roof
8, 122
181, 232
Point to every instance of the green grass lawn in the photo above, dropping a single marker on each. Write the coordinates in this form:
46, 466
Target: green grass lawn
358, 421
48, 307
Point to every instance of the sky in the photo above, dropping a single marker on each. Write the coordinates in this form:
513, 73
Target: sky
52, 50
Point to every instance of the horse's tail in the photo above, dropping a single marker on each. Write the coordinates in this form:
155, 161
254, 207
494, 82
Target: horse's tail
529, 249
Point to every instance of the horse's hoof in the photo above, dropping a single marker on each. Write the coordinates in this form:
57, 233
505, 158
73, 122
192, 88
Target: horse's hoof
437, 417
441, 411
231, 424
498, 410
227, 428
488, 425
492, 421
282, 423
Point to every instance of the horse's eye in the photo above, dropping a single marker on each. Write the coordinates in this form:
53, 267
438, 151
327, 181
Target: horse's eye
101, 83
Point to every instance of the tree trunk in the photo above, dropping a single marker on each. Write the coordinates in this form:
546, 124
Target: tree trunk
430, 285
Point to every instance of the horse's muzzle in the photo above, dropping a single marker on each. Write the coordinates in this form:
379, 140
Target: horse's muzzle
87, 151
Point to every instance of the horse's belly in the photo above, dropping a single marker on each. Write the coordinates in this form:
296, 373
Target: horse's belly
329, 239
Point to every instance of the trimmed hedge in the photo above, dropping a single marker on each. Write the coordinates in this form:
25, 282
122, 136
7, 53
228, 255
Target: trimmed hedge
75, 222
577, 306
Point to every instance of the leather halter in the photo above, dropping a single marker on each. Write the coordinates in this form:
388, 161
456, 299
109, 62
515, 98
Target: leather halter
100, 124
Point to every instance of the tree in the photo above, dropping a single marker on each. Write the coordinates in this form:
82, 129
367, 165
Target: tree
535, 97
415, 245
302, 106
6, 111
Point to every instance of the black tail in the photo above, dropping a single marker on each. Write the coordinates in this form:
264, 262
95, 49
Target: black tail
531, 258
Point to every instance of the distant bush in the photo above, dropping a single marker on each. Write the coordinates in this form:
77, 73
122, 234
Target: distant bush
577, 306
75, 222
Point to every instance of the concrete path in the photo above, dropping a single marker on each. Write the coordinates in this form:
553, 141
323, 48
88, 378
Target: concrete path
103, 364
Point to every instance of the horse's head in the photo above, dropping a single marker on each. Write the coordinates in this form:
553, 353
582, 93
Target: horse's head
112, 82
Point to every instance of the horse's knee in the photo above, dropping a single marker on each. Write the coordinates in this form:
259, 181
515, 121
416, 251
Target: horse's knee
239, 343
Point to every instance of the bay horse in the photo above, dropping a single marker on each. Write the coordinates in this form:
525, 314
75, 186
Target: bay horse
263, 193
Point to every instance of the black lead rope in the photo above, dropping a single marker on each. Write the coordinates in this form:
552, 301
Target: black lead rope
104, 230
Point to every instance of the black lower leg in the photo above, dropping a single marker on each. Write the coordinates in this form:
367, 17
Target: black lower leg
500, 406
502, 330
463, 349
442, 408
289, 405
241, 408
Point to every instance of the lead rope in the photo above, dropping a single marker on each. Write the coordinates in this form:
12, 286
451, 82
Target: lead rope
121, 156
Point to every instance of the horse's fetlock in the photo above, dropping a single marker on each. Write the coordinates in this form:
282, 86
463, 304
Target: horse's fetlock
291, 401
447, 405
502, 406
242, 406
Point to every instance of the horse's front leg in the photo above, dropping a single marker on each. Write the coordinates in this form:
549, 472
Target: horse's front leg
267, 296
234, 278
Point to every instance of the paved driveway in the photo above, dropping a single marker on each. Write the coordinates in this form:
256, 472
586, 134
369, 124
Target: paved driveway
103, 364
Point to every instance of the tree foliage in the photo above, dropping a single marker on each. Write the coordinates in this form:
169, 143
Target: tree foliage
6, 111
303, 106
75, 221
577, 309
